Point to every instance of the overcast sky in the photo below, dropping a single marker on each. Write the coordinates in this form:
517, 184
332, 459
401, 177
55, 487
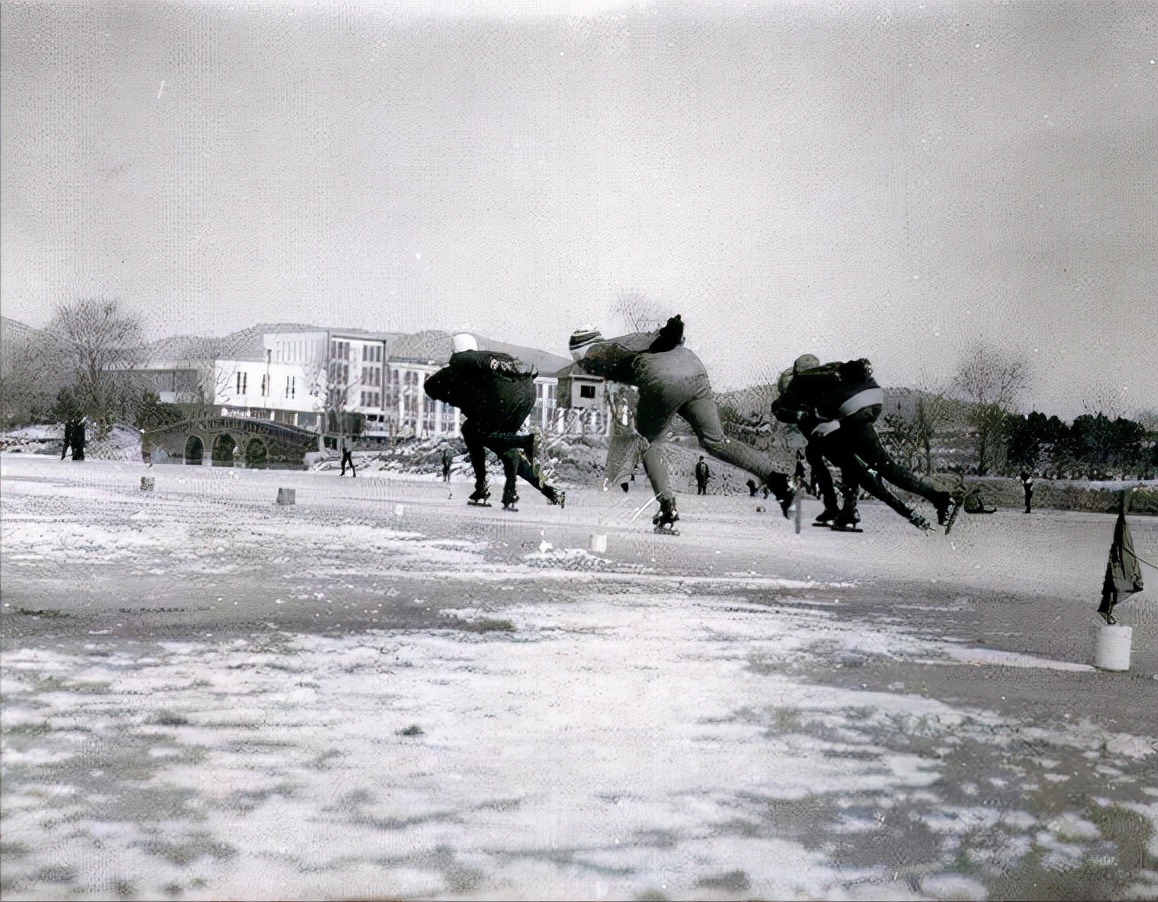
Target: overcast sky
890, 180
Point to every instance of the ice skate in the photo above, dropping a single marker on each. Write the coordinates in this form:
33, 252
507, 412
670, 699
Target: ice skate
826, 517
510, 501
480, 497
555, 496
665, 518
847, 521
947, 514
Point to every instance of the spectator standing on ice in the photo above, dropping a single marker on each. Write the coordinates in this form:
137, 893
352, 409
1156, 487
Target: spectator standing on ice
1027, 487
496, 393
77, 438
68, 426
671, 381
447, 460
702, 474
347, 456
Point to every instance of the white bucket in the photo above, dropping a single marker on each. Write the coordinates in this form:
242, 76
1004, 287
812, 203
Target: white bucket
598, 541
1112, 648
399, 510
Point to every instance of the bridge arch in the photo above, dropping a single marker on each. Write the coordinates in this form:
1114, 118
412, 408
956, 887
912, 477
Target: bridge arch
256, 454
194, 450
223, 450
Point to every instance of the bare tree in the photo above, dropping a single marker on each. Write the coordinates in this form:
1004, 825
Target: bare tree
96, 344
639, 312
992, 381
29, 376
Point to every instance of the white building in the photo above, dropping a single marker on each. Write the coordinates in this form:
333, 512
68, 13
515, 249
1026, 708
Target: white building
307, 378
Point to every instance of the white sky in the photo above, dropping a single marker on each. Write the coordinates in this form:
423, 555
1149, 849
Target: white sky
884, 180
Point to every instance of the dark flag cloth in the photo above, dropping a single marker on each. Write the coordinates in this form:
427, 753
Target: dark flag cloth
1123, 574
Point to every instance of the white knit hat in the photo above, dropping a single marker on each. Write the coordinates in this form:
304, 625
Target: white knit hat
582, 339
464, 341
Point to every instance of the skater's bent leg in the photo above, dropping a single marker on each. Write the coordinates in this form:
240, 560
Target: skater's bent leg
867, 446
814, 454
476, 451
510, 470
656, 470
704, 418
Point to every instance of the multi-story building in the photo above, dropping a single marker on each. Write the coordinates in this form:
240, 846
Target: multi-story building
328, 379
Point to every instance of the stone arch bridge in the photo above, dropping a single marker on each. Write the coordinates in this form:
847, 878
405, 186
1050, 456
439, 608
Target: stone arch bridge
230, 441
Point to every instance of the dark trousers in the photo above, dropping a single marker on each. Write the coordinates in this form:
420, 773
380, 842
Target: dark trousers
854, 475
861, 439
348, 459
506, 444
821, 478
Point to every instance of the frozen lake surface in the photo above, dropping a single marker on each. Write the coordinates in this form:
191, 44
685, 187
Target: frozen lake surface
379, 692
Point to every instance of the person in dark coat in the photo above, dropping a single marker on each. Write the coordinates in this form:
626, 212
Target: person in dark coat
68, 425
847, 400
1027, 487
795, 406
672, 381
347, 457
496, 393
702, 474
752, 487
447, 460
77, 439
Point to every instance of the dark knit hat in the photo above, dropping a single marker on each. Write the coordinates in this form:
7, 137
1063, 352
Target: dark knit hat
581, 338
805, 362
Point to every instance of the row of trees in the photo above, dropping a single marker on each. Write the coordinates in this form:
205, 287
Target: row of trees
1003, 442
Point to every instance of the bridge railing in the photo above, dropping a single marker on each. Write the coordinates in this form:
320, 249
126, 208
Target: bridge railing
284, 431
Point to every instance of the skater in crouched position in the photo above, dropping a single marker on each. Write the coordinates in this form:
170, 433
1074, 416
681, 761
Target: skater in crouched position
671, 381
495, 393
845, 401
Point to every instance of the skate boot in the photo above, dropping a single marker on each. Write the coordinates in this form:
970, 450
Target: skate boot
665, 519
848, 520
510, 501
948, 509
826, 516
480, 496
778, 483
555, 496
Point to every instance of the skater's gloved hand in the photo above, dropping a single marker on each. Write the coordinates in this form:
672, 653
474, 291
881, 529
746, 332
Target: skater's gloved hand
670, 336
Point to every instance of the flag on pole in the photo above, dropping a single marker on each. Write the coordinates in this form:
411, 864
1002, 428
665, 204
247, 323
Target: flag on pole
1123, 573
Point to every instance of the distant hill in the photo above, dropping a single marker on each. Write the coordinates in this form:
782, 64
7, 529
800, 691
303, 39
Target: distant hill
435, 347
245, 344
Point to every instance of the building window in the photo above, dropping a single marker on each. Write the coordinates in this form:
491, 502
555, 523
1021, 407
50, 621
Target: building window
587, 391
290, 386
264, 386
242, 386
